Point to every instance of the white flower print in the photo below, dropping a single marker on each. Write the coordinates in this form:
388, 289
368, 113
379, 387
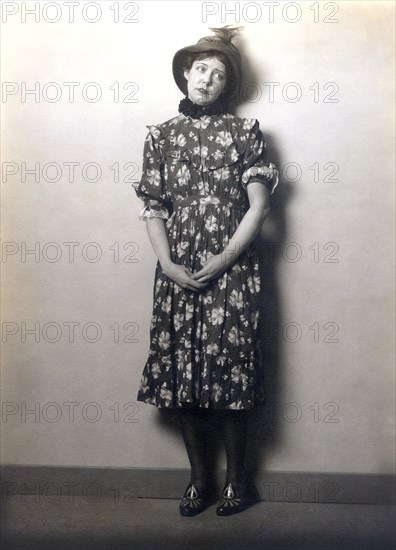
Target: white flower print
200, 186
222, 174
189, 311
224, 138
166, 395
237, 405
180, 357
235, 374
223, 281
154, 177
217, 316
181, 248
202, 123
164, 340
153, 321
181, 140
235, 337
178, 319
144, 384
154, 131
255, 319
245, 381
211, 224
248, 123
202, 151
155, 370
167, 304
216, 392
188, 371
254, 284
218, 155
183, 175
184, 215
212, 349
234, 155
236, 299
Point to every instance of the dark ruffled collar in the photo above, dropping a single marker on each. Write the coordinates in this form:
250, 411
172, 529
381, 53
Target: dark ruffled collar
193, 110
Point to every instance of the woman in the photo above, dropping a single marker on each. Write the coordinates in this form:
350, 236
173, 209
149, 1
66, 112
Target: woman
206, 184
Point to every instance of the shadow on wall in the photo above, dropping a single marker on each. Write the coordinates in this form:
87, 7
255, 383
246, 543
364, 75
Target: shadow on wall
263, 431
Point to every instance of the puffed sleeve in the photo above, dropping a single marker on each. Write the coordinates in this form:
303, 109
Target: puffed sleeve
152, 188
255, 162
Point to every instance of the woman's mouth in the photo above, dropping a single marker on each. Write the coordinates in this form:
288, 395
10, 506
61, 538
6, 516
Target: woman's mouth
202, 91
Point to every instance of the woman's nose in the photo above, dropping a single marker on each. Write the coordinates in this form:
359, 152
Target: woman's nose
207, 79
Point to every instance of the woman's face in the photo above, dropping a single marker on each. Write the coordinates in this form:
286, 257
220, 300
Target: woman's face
206, 80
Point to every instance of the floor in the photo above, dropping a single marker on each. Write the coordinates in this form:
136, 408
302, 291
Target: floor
76, 523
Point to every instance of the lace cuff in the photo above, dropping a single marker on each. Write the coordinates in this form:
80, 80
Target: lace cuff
268, 175
153, 209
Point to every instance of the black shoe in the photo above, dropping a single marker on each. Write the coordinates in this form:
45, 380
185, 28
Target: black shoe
193, 502
231, 504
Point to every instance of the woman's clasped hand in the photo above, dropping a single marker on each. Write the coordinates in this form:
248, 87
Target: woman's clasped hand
213, 268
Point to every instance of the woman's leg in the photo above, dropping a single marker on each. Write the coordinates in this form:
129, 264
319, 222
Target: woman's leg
235, 426
194, 426
235, 495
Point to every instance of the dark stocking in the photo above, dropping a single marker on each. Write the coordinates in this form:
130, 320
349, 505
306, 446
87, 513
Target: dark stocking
194, 425
235, 425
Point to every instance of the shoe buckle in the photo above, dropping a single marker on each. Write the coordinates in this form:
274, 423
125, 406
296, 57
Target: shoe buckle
229, 492
192, 493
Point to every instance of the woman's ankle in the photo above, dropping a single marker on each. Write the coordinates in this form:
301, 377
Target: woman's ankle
199, 480
238, 478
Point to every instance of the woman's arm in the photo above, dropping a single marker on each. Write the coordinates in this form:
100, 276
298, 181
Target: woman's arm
245, 233
159, 240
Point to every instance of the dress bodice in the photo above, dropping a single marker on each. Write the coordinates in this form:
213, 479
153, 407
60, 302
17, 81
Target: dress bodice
212, 155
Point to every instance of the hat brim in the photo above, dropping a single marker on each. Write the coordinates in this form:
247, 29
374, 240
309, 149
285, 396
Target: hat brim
181, 56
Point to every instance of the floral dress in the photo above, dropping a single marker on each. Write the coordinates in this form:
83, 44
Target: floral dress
204, 347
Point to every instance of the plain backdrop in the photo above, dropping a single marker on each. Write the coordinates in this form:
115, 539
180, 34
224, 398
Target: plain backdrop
329, 126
